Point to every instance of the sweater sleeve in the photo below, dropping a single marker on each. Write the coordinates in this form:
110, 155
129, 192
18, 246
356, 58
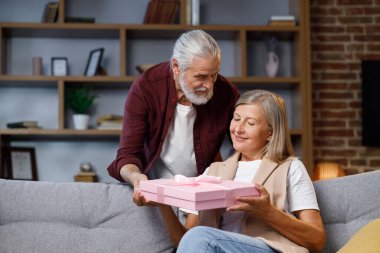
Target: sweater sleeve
134, 130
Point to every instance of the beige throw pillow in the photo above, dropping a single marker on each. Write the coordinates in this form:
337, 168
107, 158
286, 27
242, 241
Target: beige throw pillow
366, 240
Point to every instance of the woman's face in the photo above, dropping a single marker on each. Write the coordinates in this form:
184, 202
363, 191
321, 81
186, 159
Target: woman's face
250, 131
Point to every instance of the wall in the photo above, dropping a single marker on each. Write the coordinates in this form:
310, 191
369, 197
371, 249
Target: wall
343, 32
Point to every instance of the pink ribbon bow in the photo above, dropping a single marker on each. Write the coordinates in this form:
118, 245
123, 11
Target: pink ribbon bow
183, 180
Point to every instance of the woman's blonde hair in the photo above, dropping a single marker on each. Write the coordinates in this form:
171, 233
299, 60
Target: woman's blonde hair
279, 146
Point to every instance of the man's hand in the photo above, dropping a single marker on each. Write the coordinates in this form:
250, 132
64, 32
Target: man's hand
132, 174
138, 198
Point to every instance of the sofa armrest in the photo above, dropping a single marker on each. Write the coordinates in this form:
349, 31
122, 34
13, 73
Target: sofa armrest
347, 204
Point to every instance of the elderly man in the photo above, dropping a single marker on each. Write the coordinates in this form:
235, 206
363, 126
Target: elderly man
176, 115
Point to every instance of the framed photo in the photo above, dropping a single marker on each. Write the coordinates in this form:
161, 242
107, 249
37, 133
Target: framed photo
93, 63
59, 66
21, 163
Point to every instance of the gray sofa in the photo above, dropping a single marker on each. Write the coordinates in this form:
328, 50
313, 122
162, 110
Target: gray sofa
85, 217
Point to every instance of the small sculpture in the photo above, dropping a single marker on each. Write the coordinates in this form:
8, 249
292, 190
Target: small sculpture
272, 61
85, 167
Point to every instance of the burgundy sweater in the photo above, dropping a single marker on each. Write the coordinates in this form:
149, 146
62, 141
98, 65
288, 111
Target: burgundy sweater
149, 110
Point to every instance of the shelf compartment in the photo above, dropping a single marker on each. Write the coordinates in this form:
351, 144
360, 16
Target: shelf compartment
31, 103
20, 48
110, 99
141, 49
110, 11
286, 51
241, 12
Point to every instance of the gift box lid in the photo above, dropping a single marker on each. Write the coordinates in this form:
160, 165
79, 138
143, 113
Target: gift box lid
199, 192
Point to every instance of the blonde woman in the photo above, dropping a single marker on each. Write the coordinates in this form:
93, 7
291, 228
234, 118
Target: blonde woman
285, 218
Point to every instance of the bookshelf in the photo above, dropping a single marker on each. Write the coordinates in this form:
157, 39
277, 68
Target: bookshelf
129, 42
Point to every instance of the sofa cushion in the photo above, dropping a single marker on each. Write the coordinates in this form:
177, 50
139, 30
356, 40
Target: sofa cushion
77, 217
347, 204
366, 240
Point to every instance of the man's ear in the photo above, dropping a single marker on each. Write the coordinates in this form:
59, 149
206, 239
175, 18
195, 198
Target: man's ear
175, 66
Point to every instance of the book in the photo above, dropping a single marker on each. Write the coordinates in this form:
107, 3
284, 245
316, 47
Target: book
282, 23
161, 11
109, 125
45, 13
282, 18
151, 9
110, 122
54, 13
109, 117
23, 124
188, 12
170, 11
80, 20
50, 13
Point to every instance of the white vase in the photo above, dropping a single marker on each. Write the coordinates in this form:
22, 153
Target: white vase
271, 65
81, 121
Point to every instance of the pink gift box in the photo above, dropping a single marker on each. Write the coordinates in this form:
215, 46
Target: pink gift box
200, 196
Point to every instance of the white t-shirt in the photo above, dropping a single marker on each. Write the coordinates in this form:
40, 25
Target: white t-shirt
300, 192
177, 154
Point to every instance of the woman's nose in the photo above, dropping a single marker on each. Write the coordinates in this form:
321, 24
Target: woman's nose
239, 128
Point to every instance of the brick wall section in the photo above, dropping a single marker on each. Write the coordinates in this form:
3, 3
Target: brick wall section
343, 32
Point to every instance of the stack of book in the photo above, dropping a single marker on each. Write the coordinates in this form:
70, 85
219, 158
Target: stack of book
282, 20
86, 176
23, 124
110, 122
161, 11
50, 14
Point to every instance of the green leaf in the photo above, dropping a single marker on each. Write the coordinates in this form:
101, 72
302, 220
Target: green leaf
80, 99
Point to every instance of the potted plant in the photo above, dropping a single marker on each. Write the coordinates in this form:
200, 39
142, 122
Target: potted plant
79, 100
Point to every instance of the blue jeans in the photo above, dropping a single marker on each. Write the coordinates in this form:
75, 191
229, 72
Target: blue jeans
205, 239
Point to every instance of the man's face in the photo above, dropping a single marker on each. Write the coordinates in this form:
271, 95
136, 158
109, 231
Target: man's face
197, 81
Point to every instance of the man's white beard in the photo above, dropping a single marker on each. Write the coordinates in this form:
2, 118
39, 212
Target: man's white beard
190, 94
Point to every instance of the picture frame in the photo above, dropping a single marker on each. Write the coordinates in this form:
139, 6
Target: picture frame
21, 163
93, 62
59, 66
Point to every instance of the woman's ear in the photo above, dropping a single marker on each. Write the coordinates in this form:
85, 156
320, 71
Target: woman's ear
269, 137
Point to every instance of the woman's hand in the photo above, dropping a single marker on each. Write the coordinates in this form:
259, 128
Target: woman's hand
307, 227
256, 206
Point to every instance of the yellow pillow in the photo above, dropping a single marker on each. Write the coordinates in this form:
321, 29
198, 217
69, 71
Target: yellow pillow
366, 240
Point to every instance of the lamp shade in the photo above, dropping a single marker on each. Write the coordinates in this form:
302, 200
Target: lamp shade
325, 170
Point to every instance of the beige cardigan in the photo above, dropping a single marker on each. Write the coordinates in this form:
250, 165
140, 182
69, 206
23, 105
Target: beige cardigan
269, 174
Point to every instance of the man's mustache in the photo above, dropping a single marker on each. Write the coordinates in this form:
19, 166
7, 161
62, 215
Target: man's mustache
200, 89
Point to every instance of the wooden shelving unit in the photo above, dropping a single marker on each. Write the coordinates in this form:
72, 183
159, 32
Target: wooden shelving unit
131, 44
